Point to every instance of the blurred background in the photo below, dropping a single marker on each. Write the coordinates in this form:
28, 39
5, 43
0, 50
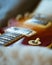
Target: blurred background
12, 8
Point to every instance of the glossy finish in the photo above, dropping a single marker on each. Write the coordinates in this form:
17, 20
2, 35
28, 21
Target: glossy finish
45, 34
1, 30
46, 40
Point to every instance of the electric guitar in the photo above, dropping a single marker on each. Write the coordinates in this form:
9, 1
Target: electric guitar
33, 32
28, 30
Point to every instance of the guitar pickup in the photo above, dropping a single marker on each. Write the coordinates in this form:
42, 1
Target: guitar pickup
24, 31
8, 38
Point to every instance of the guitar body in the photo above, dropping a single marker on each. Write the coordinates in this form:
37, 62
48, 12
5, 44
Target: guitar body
1, 31
43, 32
45, 40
